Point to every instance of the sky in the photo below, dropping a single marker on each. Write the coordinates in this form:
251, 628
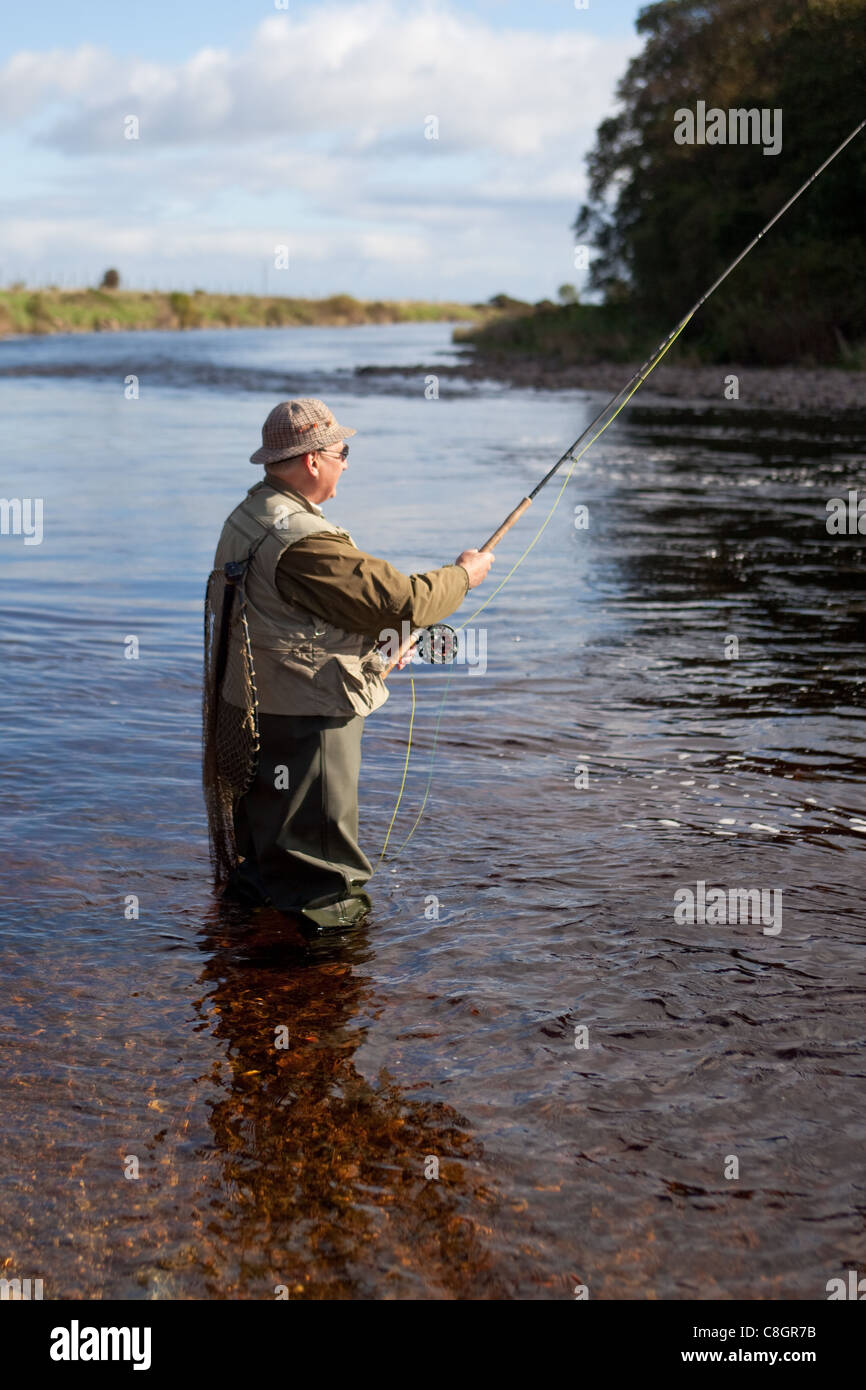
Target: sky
383, 148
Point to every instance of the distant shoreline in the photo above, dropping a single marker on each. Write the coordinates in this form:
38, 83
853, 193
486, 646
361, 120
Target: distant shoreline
41, 312
28, 313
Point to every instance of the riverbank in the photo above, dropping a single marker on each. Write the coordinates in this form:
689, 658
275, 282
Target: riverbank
27, 312
783, 388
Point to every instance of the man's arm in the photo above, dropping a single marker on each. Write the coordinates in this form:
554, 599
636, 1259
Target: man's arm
358, 592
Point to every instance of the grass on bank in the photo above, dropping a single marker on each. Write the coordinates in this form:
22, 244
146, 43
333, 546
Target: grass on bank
502, 329
53, 310
574, 335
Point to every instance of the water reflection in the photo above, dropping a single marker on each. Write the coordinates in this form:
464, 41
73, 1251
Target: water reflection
322, 1171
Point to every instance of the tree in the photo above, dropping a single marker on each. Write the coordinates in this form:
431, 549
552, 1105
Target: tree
110, 280
665, 218
567, 294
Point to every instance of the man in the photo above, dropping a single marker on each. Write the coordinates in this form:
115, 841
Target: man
316, 606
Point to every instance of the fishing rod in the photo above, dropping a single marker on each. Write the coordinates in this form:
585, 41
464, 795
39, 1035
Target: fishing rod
622, 397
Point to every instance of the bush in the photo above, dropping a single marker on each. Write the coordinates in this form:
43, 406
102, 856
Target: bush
181, 307
37, 312
504, 301
343, 306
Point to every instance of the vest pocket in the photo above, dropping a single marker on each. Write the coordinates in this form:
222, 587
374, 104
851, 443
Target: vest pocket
347, 681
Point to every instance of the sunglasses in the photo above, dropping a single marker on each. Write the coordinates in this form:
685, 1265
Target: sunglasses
344, 452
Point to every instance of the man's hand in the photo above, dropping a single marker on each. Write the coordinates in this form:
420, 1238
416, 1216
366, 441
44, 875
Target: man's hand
476, 564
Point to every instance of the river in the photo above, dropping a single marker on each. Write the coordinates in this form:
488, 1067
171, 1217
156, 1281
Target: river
527, 1074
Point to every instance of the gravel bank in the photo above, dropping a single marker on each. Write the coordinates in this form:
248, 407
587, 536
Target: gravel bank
785, 388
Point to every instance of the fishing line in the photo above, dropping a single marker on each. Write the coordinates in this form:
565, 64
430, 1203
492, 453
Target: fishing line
403, 783
575, 458
620, 400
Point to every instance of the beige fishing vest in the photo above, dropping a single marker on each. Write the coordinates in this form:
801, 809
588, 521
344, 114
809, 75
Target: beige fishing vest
303, 664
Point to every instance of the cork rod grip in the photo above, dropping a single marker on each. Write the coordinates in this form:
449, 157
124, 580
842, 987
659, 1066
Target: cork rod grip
507, 524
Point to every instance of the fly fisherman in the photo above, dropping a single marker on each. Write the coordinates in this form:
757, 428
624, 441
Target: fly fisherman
315, 607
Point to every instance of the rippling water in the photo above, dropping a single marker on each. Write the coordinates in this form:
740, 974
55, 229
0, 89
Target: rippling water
524, 908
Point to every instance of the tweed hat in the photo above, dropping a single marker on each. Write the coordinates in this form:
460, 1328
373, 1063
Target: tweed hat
298, 427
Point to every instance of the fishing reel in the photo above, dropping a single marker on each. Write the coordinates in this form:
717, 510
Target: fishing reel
437, 644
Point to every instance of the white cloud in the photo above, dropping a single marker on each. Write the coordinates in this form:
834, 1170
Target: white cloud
319, 119
354, 71
85, 236
29, 81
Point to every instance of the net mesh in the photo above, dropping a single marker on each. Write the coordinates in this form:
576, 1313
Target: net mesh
230, 729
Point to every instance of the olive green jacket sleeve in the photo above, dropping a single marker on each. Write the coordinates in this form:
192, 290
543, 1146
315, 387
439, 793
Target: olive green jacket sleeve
333, 579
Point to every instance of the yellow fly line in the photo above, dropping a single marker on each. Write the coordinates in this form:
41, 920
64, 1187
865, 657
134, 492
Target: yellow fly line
575, 458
